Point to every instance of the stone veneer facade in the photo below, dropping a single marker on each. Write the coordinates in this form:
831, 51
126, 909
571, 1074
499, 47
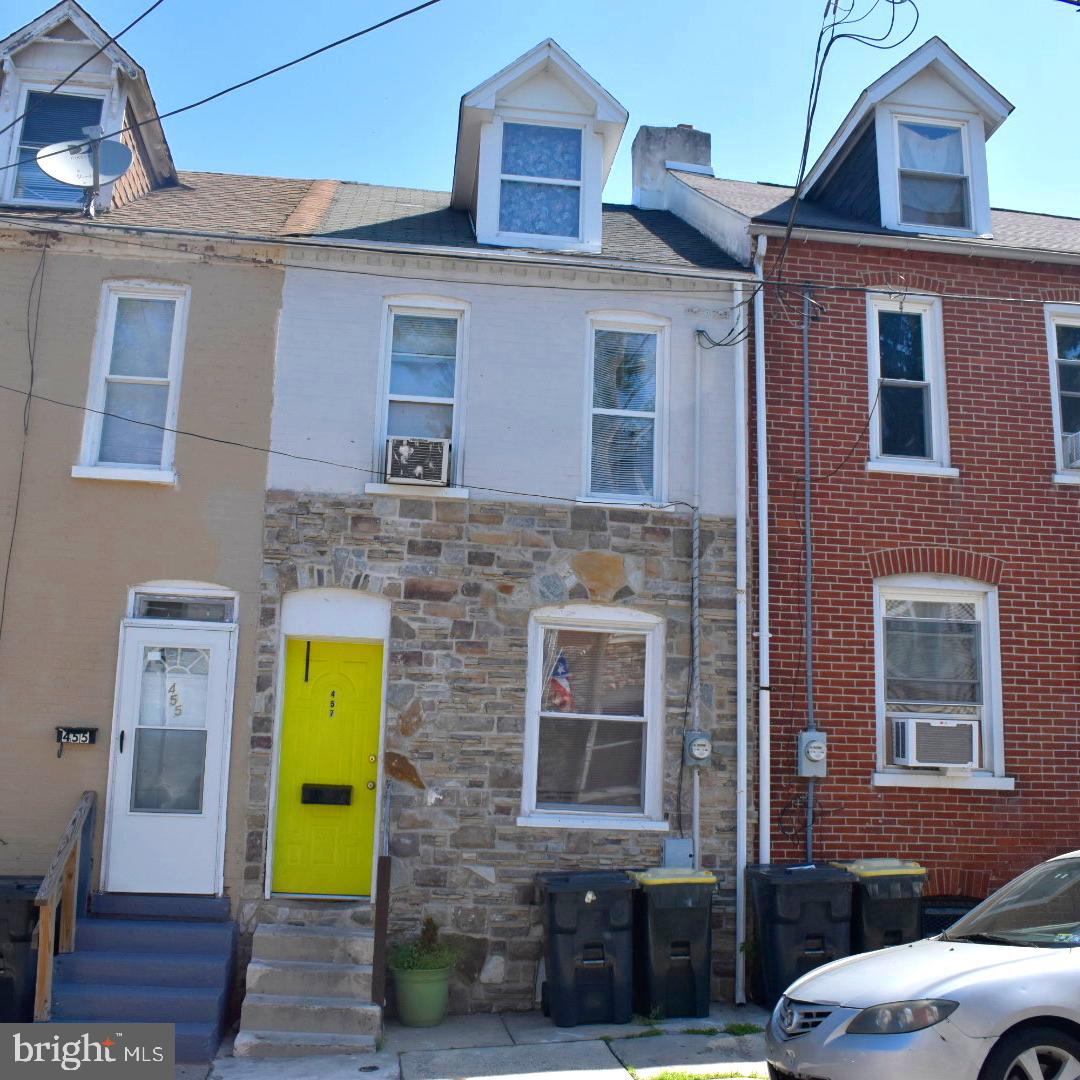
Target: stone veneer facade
462, 577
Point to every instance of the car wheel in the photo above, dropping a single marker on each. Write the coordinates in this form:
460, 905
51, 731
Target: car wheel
1043, 1053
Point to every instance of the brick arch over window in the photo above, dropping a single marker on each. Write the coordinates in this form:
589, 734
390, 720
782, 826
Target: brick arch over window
953, 881
891, 281
955, 562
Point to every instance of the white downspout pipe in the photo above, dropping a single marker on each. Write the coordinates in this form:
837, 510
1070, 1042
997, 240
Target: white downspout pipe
764, 735
742, 512
695, 608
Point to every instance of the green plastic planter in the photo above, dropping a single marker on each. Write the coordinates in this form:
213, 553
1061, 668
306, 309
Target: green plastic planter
422, 996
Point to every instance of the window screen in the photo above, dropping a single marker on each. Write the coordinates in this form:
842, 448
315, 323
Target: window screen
423, 372
623, 438
541, 180
51, 118
933, 182
219, 609
904, 392
592, 732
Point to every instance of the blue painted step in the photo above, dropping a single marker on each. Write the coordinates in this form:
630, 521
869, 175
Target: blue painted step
197, 1041
155, 936
156, 906
77, 1002
93, 967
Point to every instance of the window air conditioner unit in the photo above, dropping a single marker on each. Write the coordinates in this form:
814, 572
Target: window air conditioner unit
418, 461
937, 744
1070, 449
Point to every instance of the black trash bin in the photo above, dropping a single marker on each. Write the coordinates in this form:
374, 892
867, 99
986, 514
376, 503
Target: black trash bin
802, 916
588, 946
18, 915
887, 904
672, 942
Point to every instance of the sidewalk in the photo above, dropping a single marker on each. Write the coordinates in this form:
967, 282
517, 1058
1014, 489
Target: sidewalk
529, 1045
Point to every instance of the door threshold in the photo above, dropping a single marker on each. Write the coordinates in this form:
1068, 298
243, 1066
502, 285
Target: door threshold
319, 896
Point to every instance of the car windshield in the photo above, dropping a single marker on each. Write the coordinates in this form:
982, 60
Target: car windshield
1040, 908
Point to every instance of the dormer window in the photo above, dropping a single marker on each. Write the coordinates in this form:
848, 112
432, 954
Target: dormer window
933, 172
540, 190
50, 118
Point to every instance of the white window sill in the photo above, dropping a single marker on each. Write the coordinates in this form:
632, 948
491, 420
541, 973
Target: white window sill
610, 822
625, 504
911, 468
1067, 477
972, 782
132, 474
417, 491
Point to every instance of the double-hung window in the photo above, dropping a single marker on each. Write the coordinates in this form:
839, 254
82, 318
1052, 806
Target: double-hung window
934, 176
540, 181
907, 384
1063, 329
625, 390
50, 118
595, 713
135, 383
938, 678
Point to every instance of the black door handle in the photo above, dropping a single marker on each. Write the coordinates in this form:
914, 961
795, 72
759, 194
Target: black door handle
122, 741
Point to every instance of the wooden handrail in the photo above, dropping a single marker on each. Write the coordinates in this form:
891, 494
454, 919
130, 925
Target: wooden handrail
64, 887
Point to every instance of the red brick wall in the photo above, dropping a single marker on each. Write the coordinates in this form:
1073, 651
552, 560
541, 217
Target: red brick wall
1003, 521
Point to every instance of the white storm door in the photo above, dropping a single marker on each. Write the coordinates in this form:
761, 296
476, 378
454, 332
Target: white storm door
164, 830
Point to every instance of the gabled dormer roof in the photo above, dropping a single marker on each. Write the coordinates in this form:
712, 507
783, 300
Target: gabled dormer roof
582, 95
69, 24
935, 55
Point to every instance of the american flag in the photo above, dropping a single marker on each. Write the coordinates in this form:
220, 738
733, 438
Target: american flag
559, 684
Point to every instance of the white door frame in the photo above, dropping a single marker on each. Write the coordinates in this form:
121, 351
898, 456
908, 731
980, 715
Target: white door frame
327, 615
167, 625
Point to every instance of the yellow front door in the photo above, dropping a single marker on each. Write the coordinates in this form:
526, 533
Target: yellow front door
328, 768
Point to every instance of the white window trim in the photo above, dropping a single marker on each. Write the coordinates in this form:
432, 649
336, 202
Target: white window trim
88, 465
490, 177
437, 307
111, 118
887, 119
1059, 315
602, 618
182, 590
938, 587
929, 307
633, 322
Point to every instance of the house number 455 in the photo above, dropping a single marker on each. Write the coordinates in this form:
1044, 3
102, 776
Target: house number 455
175, 702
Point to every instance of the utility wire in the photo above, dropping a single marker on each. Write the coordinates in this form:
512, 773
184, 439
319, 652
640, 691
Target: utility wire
254, 79
33, 323
71, 75
35, 225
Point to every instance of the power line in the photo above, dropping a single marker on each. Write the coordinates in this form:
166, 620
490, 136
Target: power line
304, 457
34, 225
71, 75
254, 79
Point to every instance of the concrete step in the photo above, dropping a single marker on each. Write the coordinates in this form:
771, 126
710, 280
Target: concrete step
155, 936
317, 944
76, 1003
264, 1044
155, 906
320, 1015
306, 978
142, 969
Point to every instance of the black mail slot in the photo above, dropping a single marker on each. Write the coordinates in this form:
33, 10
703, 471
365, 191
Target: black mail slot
327, 794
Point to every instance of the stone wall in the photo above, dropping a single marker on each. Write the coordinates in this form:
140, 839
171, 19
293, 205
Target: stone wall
463, 577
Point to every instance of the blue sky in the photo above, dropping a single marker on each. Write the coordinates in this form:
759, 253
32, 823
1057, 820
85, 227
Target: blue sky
384, 109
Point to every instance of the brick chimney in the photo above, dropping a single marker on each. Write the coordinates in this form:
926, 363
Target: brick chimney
654, 148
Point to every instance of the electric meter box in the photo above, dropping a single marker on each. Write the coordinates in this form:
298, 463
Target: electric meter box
697, 748
813, 754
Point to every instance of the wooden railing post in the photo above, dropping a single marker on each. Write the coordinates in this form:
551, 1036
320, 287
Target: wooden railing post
65, 885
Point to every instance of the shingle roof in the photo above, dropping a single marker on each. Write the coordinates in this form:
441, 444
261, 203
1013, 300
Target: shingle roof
410, 216
770, 204
266, 206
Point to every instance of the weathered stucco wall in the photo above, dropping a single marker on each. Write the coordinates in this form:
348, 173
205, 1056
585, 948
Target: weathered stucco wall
462, 578
81, 543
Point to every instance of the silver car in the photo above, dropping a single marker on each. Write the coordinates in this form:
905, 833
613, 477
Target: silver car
996, 997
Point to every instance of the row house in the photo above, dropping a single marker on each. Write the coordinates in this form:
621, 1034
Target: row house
935, 654
421, 518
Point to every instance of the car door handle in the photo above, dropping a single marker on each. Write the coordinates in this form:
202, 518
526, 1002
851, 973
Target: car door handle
122, 734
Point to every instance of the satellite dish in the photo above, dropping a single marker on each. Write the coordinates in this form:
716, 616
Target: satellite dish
72, 162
